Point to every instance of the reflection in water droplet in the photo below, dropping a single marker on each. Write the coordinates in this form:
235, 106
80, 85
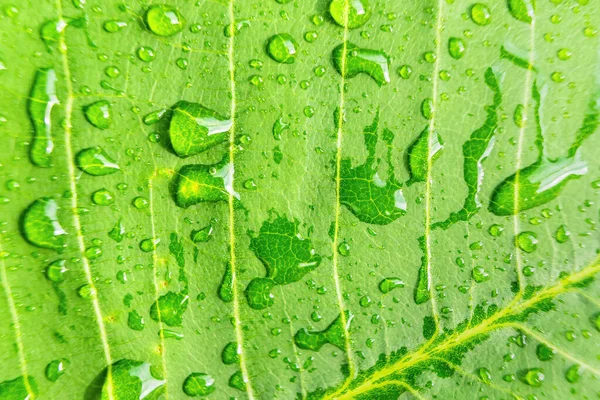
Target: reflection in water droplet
199, 384
95, 161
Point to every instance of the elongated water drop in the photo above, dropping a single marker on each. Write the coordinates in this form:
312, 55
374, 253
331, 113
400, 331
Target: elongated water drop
522, 10
356, 60
42, 100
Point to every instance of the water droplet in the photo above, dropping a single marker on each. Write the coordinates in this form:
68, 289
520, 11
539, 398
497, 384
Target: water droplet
405, 71
103, 197
527, 241
427, 108
197, 183
479, 274
456, 48
194, 128
42, 99
95, 161
198, 384
135, 321
154, 116
55, 369
148, 245
141, 203
163, 20
334, 334
282, 48
114, 26
356, 60
282, 267
56, 271
370, 198
532, 377
99, 114
544, 353
389, 284
87, 292
202, 235
485, 375
231, 353
237, 381
132, 380
352, 13
40, 225
422, 153
564, 54
481, 14
117, 233
522, 10
562, 234
250, 184
344, 249
573, 374
520, 116
169, 308
495, 230
146, 53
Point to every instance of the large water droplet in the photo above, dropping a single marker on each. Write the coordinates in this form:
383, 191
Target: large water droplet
163, 20
282, 48
358, 12
42, 100
355, 60
95, 161
99, 114
199, 384
40, 225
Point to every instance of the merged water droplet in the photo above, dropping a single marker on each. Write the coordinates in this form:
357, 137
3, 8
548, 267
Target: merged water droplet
42, 100
172, 306
99, 114
350, 60
282, 48
350, 13
95, 161
286, 256
164, 20
370, 198
41, 227
334, 334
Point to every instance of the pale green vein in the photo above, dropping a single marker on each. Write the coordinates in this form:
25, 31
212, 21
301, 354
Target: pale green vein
292, 332
526, 101
239, 335
336, 229
431, 127
74, 204
14, 316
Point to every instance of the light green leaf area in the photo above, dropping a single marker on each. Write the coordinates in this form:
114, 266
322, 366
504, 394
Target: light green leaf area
290, 199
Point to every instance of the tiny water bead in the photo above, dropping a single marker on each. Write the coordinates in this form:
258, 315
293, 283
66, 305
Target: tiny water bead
199, 384
480, 14
357, 14
282, 48
99, 114
163, 20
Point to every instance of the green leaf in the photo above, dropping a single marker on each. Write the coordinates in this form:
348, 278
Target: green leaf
285, 199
